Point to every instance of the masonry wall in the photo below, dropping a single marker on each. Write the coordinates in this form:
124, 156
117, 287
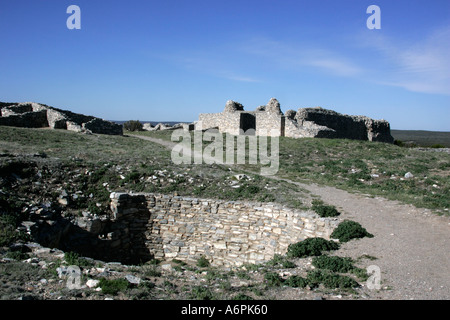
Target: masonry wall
227, 233
226, 122
269, 124
35, 115
27, 120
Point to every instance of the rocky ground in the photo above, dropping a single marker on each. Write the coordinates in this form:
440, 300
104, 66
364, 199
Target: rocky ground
36, 251
34, 272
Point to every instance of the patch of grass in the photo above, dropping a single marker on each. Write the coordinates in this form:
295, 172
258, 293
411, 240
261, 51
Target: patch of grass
348, 230
202, 262
73, 258
311, 247
333, 263
272, 279
339, 265
324, 210
201, 293
113, 286
152, 271
330, 280
296, 282
17, 255
368, 167
282, 261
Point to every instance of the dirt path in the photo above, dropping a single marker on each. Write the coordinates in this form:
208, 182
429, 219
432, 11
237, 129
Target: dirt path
412, 245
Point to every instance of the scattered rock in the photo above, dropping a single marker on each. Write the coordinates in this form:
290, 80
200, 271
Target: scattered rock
133, 279
409, 175
91, 283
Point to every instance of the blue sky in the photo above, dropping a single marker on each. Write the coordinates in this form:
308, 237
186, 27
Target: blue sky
171, 60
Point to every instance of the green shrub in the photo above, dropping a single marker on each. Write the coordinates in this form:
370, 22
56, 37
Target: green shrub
296, 282
282, 261
113, 286
201, 293
273, 279
348, 230
73, 258
324, 210
330, 280
311, 247
17, 255
133, 176
152, 270
133, 125
333, 263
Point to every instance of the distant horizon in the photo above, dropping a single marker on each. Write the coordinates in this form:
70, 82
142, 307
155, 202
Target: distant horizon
182, 121
175, 122
176, 59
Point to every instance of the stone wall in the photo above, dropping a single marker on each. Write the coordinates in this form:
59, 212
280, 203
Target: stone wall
35, 115
343, 126
266, 121
227, 233
270, 124
306, 122
226, 122
36, 119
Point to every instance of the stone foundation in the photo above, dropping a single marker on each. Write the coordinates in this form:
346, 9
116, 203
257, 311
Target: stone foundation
227, 233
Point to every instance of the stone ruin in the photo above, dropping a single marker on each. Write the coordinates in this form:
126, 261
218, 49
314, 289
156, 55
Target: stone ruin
143, 226
36, 115
316, 122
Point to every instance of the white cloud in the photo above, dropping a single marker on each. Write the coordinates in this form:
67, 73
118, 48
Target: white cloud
420, 67
300, 56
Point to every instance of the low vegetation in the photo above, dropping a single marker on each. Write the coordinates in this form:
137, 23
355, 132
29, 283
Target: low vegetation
133, 125
311, 247
373, 168
348, 230
324, 210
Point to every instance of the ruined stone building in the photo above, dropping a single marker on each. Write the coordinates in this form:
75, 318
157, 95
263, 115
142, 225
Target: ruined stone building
317, 122
36, 115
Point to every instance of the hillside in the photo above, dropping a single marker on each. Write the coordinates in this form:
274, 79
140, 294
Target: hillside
362, 166
423, 138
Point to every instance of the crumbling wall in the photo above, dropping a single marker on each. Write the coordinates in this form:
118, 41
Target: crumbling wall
226, 122
35, 115
26, 120
343, 126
